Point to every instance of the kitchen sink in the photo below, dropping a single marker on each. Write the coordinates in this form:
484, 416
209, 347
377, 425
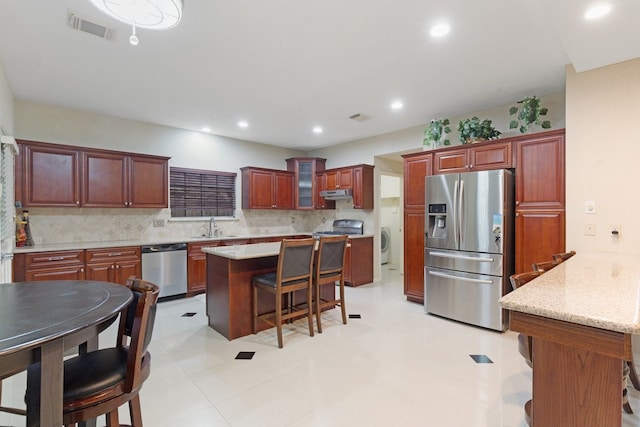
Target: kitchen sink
205, 237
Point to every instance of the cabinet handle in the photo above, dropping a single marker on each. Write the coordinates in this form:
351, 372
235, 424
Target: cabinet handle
78, 202
82, 270
117, 265
517, 202
55, 258
113, 266
517, 213
115, 253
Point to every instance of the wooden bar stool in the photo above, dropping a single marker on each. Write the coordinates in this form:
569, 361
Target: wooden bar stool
294, 272
329, 270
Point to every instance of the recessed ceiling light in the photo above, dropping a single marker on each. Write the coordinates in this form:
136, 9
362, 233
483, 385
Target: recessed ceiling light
439, 30
205, 129
397, 105
243, 124
317, 129
597, 11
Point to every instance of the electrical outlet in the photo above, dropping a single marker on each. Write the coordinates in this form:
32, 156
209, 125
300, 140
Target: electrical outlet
158, 222
616, 230
589, 229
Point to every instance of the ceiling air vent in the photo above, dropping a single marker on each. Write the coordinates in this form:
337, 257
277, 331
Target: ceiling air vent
360, 117
81, 24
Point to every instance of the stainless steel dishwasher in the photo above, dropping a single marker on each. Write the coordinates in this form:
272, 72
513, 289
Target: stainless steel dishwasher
166, 266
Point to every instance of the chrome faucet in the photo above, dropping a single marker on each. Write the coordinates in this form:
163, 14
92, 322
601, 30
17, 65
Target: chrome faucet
213, 227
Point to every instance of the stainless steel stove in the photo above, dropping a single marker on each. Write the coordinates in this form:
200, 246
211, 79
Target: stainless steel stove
343, 226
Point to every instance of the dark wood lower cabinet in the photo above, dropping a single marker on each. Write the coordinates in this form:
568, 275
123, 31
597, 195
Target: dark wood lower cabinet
114, 264
539, 235
359, 262
414, 255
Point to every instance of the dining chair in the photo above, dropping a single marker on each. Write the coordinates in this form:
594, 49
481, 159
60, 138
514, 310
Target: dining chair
294, 273
9, 409
545, 265
329, 270
564, 256
99, 382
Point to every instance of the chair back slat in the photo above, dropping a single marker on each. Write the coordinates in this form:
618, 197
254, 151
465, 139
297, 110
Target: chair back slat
294, 261
564, 256
331, 253
521, 279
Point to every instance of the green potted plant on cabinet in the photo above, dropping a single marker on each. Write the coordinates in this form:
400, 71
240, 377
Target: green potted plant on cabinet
528, 114
436, 133
473, 130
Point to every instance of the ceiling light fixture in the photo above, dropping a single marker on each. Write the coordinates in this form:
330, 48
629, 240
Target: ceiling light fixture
397, 105
440, 30
317, 130
150, 14
597, 11
243, 124
206, 129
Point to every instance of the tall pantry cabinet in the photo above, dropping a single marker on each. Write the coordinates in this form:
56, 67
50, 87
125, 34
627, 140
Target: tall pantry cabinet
538, 161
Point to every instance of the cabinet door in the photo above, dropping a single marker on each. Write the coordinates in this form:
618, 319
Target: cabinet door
363, 187
451, 161
359, 261
489, 156
414, 255
539, 235
101, 271
56, 273
104, 180
148, 182
339, 179
51, 176
540, 172
283, 194
257, 191
127, 268
321, 184
197, 266
415, 170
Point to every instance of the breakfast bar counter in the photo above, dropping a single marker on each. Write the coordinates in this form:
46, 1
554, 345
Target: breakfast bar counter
581, 315
228, 295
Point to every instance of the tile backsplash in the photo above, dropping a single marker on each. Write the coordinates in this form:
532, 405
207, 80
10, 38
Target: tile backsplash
69, 225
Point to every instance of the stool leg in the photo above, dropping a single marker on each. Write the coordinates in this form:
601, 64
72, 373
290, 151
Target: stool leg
317, 307
342, 305
279, 318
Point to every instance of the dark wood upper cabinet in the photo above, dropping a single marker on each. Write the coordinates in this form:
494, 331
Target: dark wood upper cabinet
362, 187
47, 175
416, 168
540, 165
267, 188
473, 157
51, 175
339, 179
305, 185
321, 185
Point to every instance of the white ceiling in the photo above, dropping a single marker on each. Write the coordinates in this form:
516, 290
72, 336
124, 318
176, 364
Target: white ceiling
288, 65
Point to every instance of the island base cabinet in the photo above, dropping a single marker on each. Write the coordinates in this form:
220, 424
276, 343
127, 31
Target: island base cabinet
358, 263
229, 294
577, 372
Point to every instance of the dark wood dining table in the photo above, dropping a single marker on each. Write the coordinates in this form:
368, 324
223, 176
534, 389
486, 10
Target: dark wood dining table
40, 320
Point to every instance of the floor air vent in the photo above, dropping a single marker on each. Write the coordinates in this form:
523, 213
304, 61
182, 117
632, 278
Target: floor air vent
81, 24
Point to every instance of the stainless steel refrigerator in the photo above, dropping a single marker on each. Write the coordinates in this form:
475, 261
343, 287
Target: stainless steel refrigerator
469, 246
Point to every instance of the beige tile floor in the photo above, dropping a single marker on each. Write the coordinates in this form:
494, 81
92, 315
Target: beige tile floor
396, 366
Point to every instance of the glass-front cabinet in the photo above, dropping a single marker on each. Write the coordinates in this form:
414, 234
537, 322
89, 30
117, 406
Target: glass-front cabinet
305, 169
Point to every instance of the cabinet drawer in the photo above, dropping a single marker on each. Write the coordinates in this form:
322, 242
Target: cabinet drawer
54, 259
113, 254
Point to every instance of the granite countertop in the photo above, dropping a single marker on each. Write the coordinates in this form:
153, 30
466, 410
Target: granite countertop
119, 243
254, 250
592, 289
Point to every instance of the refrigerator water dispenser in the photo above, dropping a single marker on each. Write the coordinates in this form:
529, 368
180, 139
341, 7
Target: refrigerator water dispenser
437, 221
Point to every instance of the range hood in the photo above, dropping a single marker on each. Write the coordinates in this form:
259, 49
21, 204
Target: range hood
337, 194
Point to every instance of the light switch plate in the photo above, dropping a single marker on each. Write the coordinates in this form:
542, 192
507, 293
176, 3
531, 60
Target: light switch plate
590, 207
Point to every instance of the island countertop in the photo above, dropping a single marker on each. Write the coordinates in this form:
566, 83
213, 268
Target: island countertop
254, 250
601, 290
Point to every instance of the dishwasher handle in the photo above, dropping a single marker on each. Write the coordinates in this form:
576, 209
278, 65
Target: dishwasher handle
165, 247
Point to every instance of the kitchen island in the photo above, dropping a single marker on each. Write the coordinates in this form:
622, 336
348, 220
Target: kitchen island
581, 315
229, 273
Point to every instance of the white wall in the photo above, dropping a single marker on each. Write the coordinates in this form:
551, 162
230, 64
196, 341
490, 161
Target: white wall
602, 152
6, 104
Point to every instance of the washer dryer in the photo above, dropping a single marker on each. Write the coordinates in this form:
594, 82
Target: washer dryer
385, 244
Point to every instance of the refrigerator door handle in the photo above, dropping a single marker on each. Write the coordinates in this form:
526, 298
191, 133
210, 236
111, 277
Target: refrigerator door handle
455, 213
460, 211
464, 279
462, 257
